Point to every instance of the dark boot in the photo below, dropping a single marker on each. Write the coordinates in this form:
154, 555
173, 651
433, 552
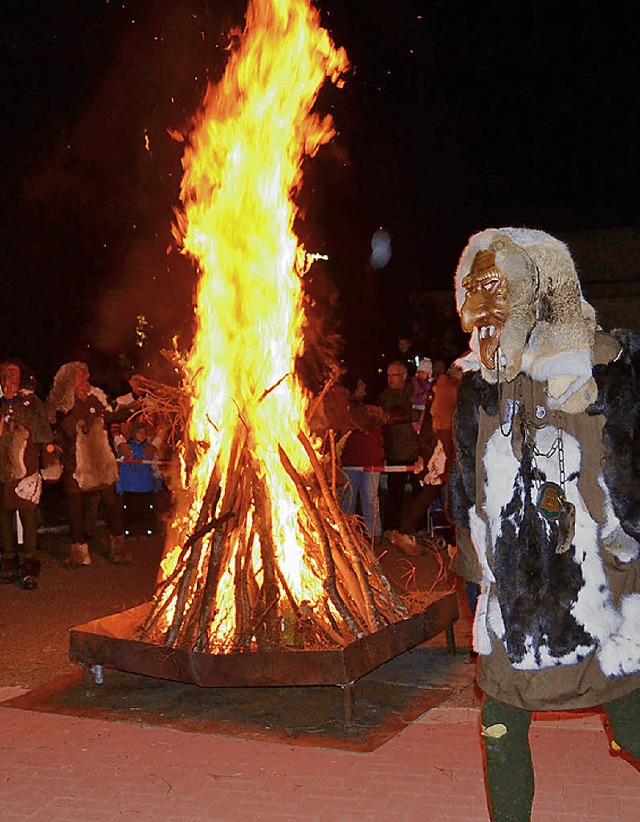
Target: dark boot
29, 572
9, 569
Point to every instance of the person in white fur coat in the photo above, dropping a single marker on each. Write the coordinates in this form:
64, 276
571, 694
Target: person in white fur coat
90, 470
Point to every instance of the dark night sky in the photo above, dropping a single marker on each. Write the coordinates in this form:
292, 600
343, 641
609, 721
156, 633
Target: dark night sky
455, 116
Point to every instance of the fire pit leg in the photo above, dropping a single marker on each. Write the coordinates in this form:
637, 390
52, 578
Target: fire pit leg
92, 674
347, 692
451, 639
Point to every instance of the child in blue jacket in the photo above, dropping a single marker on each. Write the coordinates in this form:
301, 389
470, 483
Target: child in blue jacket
140, 477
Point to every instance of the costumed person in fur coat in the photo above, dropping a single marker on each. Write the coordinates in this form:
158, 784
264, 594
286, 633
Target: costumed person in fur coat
90, 470
27, 456
545, 495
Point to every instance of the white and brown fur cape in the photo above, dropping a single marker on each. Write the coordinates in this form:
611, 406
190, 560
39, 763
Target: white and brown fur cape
546, 608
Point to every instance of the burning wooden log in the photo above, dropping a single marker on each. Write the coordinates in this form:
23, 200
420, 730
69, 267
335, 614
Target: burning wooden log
267, 614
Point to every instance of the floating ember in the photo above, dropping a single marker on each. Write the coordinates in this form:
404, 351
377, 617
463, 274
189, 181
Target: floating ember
260, 555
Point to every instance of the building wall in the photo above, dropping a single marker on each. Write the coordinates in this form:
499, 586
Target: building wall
608, 262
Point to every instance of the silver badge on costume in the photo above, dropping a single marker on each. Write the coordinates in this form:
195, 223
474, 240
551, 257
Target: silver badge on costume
510, 411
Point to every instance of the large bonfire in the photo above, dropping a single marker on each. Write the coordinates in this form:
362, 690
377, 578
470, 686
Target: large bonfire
260, 555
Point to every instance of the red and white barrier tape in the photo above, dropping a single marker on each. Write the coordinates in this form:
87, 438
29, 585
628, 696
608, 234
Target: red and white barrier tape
144, 462
382, 469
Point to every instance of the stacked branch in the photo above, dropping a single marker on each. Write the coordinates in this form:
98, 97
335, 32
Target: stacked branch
161, 406
233, 538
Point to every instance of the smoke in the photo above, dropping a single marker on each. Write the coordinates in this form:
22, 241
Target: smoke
96, 190
380, 249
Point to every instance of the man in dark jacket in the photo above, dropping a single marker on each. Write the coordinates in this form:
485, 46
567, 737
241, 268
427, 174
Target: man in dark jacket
400, 440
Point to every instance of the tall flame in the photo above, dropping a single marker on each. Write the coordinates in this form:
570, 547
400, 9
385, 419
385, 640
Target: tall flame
241, 170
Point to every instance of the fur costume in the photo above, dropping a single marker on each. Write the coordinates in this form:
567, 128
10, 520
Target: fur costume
558, 620
96, 463
25, 434
14, 467
88, 459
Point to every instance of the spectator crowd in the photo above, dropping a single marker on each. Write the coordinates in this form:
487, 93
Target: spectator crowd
395, 447
108, 461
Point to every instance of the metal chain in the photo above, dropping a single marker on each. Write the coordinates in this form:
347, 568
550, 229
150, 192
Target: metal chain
530, 427
500, 387
561, 467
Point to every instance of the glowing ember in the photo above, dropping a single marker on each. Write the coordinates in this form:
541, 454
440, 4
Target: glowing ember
261, 555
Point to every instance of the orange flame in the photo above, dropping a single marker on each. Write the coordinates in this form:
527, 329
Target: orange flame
242, 167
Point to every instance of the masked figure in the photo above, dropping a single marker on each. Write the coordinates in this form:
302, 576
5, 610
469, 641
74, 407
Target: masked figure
27, 457
82, 417
545, 495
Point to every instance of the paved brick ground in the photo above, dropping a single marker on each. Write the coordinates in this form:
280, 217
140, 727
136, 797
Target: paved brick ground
55, 768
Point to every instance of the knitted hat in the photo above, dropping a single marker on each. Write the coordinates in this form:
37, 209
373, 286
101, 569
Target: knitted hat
426, 365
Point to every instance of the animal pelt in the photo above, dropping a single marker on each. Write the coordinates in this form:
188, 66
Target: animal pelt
14, 467
62, 394
95, 461
548, 607
535, 584
619, 400
473, 393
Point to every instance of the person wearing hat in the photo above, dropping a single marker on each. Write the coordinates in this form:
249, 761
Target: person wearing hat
421, 385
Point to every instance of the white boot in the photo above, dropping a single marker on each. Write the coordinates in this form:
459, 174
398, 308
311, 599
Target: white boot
79, 555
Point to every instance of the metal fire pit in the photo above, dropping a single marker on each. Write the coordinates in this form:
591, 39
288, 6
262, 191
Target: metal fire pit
111, 642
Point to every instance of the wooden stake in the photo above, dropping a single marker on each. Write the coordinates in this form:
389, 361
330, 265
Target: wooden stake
330, 569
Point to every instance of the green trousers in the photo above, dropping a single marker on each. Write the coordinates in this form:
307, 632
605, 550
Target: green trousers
508, 764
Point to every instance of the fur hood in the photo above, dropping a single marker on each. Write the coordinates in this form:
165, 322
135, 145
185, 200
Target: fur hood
62, 395
550, 330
